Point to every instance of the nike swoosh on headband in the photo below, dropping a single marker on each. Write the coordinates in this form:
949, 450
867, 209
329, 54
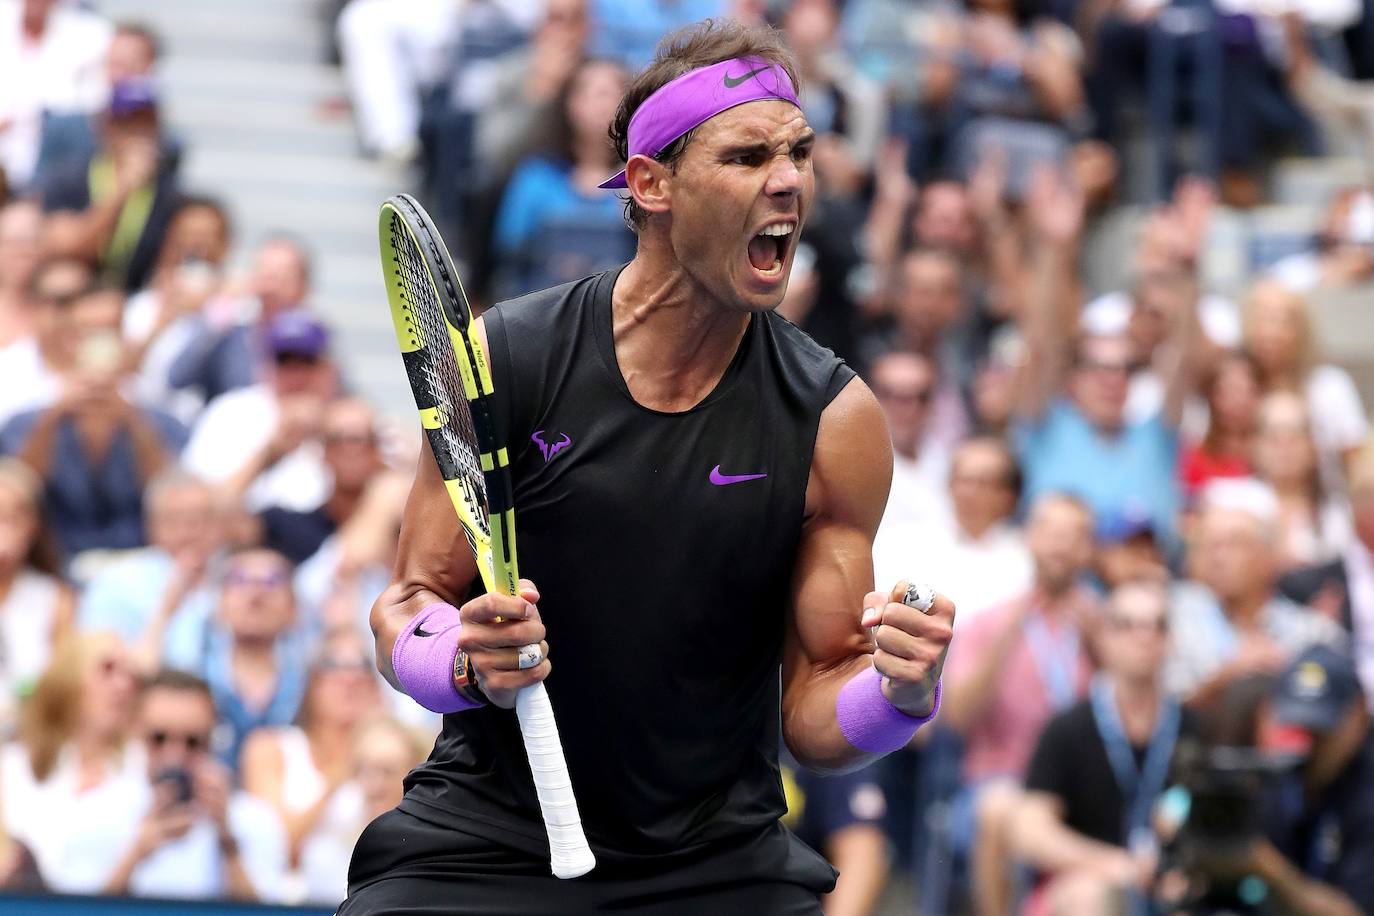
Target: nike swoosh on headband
732, 82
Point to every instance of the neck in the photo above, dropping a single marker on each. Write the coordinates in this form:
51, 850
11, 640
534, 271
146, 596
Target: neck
93, 746
255, 653
1244, 611
976, 528
672, 341
1137, 702
8, 573
1291, 491
1054, 596
328, 737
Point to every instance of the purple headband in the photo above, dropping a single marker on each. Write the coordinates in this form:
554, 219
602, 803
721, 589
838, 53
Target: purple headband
695, 97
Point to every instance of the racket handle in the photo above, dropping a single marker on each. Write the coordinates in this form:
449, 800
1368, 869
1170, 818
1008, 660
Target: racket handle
568, 849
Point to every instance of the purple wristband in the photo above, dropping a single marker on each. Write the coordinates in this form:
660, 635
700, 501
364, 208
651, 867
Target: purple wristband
424, 663
869, 721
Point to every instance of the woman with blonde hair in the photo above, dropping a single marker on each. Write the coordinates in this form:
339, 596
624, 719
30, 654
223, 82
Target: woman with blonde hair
1314, 527
1280, 338
36, 607
297, 769
383, 752
72, 742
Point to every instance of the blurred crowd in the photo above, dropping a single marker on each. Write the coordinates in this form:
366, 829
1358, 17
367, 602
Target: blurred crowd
1149, 494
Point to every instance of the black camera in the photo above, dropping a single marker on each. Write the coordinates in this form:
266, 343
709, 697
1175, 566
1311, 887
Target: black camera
180, 780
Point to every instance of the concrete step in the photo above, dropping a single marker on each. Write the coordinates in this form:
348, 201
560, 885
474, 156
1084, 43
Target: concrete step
1312, 182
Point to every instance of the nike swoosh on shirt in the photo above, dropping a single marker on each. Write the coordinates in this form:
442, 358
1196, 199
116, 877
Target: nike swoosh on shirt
722, 480
733, 82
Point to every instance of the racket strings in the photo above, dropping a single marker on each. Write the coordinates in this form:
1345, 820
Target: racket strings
456, 432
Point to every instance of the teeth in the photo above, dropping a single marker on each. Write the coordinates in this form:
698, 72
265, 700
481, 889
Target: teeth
777, 266
779, 229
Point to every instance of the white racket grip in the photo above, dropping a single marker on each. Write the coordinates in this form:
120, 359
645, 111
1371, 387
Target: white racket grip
568, 849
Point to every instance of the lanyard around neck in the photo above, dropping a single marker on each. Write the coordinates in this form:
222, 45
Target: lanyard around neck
1056, 660
1139, 786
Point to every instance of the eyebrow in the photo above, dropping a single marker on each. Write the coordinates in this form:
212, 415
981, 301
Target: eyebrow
760, 147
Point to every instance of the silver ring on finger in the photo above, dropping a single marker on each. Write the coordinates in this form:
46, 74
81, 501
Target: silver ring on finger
530, 656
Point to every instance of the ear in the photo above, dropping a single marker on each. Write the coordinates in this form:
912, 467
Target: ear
650, 183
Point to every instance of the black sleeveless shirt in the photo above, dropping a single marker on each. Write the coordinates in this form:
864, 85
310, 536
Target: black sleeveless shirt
663, 547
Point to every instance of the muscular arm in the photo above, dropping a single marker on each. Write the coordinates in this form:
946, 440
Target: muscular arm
825, 643
1040, 836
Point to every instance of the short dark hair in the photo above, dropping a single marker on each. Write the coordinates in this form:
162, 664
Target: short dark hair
1014, 479
701, 45
144, 32
206, 202
179, 681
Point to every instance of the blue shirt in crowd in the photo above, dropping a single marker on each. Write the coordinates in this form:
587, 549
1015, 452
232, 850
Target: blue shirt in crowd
548, 232
1130, 474
125, 595
94, 504
629, 30
236, 717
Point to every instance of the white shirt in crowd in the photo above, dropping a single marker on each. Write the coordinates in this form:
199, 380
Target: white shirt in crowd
45, 815
26, 382
187, 868
64, 72
234, 427
27, 616
975, 573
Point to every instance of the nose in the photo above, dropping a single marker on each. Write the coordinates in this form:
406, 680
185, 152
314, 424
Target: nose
784, 178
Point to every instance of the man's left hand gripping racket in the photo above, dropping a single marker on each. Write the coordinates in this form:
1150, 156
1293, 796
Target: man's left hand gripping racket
452, 386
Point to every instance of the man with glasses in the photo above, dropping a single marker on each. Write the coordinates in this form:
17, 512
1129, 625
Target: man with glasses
1072, 430
182, 832
1099, 767
253, 651
905, 383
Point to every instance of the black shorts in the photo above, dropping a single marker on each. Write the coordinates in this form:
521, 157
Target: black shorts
407, 866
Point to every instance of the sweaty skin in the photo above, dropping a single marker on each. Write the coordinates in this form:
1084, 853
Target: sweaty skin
679, 312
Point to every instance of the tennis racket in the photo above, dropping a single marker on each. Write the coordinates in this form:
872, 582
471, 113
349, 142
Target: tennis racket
451, 382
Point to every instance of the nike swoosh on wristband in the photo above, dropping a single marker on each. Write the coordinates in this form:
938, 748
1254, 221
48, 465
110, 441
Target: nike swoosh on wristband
733, 82
722, 480
421, 631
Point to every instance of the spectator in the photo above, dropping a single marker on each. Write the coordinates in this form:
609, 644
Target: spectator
1100, 766
261, 442
1232, 391
1072, 431
299, 769
1342, 254
384, 751
35, 605
841, 816
982, 558
228, 342
392, 53
252, 651
1280, 338
554, 223
527, 83
1344, 588
72, 750
178, 829
352, 458
18, 869
50, 60
1128, 550
1329, 828
1229, 622
95, 449
1013, 668
70, 139
1002, 75
841, 104
31, 368
21, 227
160, 599
927, 304
904, 384
172, 315
113, 206
1314, 526
629, 30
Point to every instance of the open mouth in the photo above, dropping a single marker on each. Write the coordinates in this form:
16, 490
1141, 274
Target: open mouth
768, 249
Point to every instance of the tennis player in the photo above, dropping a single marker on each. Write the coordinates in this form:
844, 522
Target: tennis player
697, 487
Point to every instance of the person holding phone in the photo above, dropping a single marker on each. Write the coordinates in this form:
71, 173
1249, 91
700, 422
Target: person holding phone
180, 831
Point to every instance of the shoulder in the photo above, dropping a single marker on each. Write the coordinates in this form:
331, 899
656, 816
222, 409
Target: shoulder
851, 465
1326, 380
231, 405
252, 819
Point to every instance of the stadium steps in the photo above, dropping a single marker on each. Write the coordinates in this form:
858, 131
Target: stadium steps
245, 85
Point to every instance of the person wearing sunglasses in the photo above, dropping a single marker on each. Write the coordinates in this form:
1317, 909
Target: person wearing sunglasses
1085, 821
178, 830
